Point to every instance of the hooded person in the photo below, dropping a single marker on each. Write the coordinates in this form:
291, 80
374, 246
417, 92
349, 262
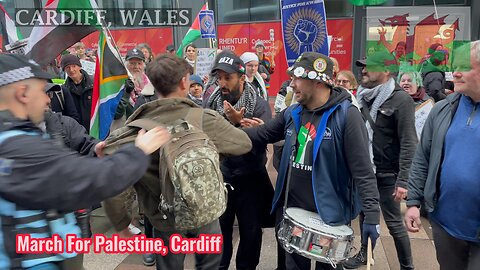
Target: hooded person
196, 89
324, 154
253, 77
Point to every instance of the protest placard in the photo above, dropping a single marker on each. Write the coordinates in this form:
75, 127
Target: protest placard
421, 114
204, 63
88, 66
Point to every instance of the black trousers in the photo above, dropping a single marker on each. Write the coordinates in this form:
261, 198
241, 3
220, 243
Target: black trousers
394, 220
454, 253
148, 227
247, 200
176, 261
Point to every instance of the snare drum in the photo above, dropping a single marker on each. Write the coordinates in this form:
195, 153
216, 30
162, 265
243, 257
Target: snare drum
304, 233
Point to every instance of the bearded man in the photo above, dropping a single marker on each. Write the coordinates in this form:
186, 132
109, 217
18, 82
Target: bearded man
250, 190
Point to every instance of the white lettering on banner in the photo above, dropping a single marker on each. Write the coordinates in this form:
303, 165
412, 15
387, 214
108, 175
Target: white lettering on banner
228, 47
204, 63
229, 41
421, 114
338, 52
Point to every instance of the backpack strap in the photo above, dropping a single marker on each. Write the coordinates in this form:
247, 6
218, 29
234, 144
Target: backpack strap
144, 123
61, 98
195, 117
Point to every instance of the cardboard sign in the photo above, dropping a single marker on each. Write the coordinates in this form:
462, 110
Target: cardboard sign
421, 114
88, 66
204, 63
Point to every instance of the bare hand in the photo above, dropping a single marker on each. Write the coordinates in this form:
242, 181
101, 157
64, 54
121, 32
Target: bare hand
233, 115
99, 149
400, 194
264, 76
412, 219
205, 78
150, 141
254, 122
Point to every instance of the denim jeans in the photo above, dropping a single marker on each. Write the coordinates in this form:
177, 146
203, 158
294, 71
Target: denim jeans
393, 218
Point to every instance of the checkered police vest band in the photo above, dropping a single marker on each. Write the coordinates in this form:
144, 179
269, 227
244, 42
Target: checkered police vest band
16, 75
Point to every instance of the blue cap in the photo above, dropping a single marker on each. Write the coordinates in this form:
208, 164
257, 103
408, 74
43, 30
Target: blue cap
196, 79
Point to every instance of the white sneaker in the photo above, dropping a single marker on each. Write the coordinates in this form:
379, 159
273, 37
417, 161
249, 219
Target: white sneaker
134, 230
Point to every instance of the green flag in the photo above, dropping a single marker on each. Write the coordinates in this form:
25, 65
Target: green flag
367, 2
192, 34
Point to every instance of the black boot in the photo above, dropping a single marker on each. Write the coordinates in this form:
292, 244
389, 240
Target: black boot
358, 260
83, 221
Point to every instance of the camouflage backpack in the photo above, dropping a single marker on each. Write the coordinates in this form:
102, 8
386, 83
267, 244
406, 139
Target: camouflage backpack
192, 186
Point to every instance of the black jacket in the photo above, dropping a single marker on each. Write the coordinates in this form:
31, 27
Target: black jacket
434, 84
64, 130
142, 99
62, 102
394, 137
254, 160
46, 176
82, 97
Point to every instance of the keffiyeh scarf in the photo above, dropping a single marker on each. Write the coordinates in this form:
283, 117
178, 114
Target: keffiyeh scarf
248, 99
379, 95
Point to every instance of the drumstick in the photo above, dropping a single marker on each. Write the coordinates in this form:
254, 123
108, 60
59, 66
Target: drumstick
369, 253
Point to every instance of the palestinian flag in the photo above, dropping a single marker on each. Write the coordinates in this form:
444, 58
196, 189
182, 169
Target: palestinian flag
192, 34
10, 33
109, 79
367, 2
46, 42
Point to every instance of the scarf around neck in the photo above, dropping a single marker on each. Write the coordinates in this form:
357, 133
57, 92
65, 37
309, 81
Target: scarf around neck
379, 95
248, 99
419, 95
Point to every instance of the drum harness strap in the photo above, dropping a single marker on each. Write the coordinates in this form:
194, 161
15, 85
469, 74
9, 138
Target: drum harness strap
321, 130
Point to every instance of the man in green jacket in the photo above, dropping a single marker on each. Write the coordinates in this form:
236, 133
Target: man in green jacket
170, 77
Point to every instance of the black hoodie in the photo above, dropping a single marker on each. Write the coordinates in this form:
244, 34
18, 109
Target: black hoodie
301, 192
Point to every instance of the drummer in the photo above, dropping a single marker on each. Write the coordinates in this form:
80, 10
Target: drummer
323, 170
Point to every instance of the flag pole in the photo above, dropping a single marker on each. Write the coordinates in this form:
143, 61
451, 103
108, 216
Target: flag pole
109, 36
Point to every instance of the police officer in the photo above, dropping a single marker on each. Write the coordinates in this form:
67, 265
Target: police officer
46, 179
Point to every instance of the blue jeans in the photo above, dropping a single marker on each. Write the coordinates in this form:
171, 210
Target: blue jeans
393, 218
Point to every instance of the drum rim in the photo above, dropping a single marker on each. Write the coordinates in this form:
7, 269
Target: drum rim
286, 216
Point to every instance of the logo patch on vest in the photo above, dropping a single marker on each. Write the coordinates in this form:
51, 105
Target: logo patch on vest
327, 135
